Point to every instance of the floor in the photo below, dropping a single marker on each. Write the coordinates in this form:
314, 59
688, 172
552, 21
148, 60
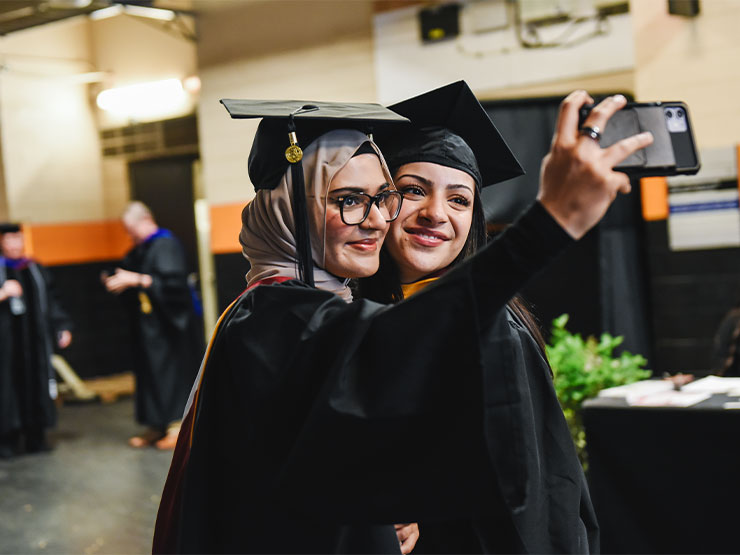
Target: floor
93, 494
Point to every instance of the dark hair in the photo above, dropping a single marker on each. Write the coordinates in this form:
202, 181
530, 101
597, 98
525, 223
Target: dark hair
385, 285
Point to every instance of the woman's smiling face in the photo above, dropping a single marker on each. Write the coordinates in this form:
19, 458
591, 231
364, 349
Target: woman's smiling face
353, 251
435, 218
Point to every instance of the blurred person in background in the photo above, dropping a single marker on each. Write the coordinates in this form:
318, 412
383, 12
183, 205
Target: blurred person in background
153, 283
727, 343
31, 323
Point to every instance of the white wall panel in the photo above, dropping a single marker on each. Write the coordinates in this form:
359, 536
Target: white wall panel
489, 61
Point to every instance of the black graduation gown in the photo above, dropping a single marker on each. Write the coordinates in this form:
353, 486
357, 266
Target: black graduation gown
549, 501
316, 418
165, 330
26, 345
548, 498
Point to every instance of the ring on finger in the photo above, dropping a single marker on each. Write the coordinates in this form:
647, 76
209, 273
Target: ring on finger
591, 132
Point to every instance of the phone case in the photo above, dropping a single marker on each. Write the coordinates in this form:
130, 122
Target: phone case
673, 150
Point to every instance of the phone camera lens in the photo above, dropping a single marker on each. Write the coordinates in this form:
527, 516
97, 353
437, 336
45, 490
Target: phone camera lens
669, 113
679, 113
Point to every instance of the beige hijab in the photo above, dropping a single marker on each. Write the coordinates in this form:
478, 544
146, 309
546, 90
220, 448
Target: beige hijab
268, 227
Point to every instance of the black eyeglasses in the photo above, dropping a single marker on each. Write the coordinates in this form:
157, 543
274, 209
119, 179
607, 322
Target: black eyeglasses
355, 207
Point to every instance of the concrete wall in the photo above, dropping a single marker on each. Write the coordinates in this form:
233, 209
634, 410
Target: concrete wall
50, 146
266, 50
695, 60
493, 60
132, 50
4, 211
655, 55
50, 151
135, 50
53, 167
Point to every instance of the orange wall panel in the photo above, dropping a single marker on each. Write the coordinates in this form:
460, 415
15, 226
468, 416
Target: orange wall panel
226, 223
76, 243
654, 198
738, 168
79, 243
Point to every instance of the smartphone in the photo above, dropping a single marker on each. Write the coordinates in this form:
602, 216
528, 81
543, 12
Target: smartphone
673, 151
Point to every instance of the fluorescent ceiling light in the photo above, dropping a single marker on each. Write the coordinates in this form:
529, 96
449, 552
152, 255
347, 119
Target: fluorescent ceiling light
138, 11
69, 4
152, 100
105, 13
191, 84
151, 13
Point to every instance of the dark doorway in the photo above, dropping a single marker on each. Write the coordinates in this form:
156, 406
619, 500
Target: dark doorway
165, 185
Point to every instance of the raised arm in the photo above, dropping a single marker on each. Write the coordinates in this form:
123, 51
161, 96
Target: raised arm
405, 392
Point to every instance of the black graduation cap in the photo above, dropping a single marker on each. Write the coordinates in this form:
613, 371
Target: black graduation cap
286, 128
308, 120
444, 121
7, 227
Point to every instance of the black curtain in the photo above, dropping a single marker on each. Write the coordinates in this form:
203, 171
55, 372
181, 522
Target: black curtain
527, 126
624, 282
602, 280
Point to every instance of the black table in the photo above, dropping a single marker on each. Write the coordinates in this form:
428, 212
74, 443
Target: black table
665, 479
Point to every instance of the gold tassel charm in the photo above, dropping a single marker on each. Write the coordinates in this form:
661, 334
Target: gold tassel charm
146, 304
293, 153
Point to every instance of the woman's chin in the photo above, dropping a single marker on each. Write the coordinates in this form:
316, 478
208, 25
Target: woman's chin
414, 272
356, 271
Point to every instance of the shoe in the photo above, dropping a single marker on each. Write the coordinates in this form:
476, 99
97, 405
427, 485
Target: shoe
168, 442
146, 439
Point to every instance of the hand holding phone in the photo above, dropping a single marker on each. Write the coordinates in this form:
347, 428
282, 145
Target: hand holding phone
577, 179
673, 150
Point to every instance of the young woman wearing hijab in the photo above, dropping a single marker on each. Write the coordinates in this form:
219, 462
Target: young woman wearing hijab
440, 224
310, 410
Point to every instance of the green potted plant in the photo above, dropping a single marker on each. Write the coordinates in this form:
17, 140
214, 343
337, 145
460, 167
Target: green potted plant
583, 367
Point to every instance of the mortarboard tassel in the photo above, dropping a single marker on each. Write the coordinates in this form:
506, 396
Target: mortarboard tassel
294, 155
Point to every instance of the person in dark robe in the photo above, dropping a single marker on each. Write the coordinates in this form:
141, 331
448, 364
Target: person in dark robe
351, 416
153, 282
32, 323
726, 351
441, 223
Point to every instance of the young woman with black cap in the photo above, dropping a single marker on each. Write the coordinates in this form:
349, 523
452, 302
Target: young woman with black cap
314, 420
440, 224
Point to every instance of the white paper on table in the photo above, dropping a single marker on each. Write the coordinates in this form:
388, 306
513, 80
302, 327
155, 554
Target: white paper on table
712, 384
670, 399
637, 389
